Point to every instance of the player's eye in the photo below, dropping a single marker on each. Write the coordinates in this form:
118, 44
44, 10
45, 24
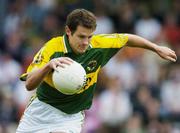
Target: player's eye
89, 37
82, 37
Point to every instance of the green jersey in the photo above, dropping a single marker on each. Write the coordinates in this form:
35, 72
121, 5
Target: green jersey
102, 47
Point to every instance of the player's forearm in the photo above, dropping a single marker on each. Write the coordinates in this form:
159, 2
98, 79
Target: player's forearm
137, 41
36, 77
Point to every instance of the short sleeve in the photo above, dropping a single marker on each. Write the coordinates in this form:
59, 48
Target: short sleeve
40, 59
109, 40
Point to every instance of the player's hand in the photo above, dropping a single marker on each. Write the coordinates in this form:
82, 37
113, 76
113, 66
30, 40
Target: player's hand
54, 63
166, 53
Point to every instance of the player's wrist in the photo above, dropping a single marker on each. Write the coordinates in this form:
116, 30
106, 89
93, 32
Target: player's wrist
48, 67
156, 48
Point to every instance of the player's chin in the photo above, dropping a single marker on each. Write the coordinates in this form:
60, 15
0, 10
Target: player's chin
82, 51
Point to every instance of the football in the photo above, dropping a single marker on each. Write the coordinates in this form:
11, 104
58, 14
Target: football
70, 79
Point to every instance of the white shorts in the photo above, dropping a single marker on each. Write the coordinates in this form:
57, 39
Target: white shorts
40, 117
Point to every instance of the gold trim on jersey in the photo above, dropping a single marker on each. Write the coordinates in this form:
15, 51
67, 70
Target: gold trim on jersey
91, 79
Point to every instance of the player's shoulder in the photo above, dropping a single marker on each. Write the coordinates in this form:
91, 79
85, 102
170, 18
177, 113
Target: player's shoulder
55, 44
55, 40
108, 36
108, 40
98, 39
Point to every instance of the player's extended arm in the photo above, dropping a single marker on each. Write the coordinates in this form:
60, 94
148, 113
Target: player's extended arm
162, 51
35, 77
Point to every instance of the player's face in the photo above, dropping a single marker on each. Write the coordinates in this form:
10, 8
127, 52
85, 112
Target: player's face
80, 39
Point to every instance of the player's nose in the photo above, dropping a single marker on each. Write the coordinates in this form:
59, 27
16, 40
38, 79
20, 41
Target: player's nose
86, 41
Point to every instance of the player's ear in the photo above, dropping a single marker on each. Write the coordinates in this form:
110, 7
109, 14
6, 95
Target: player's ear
67, 30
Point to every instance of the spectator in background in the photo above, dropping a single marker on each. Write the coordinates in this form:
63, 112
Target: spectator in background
170, 95
50, 26
114, 105
134, 124
147, 26
10, 69
170, 31
14, 45
8, 111
125, 17
127, 71
104, 23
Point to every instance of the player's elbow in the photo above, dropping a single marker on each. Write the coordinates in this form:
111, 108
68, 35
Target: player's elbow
29, 86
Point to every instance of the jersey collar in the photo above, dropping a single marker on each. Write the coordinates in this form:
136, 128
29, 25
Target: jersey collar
67, 46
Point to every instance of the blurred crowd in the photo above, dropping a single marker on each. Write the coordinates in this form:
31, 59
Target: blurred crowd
137, 92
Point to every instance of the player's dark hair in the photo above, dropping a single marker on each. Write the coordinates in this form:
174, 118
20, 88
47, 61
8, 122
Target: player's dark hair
81, 17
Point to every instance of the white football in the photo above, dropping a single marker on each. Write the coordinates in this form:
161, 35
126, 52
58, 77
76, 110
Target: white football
70, 79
